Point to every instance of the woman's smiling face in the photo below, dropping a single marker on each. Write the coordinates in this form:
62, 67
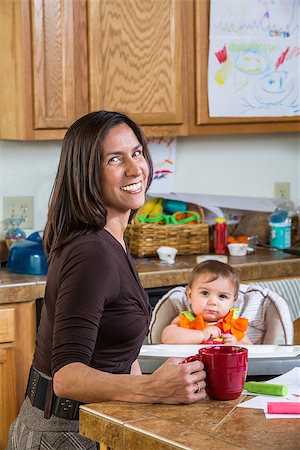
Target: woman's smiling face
124, 171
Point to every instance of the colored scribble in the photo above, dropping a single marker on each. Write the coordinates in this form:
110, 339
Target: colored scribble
222, 54
281, 58
275, 18
254, 58
159, 174
251, 62
162, 150
223, 73
274, 89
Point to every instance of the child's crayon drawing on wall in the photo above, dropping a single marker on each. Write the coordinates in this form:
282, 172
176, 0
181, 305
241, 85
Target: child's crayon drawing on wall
163, 152
254, 58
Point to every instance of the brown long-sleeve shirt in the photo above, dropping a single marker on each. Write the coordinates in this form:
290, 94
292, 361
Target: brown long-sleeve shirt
96, 312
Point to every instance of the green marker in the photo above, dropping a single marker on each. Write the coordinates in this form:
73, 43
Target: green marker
266, 388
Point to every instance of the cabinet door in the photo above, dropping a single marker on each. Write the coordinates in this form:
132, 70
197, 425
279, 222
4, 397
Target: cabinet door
207, 124
8, 410
135, 58
59, 62
18, 330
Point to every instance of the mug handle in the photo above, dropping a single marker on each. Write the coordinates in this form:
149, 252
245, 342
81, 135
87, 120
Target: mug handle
192, 358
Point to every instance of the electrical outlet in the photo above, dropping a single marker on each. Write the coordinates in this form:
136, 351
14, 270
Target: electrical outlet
282, 190
19, 207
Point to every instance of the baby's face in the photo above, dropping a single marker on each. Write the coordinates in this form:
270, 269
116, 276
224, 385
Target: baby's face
211, 299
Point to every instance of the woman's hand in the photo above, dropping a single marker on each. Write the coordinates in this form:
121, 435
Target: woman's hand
176, 383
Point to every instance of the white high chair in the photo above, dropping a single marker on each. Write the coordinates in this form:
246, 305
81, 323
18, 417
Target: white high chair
267, 312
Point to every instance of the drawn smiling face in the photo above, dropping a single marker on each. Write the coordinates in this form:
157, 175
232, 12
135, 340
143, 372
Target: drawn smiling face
274, 82
274, 88
251, 62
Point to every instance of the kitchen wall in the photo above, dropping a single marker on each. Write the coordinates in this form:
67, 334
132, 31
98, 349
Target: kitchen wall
228, 165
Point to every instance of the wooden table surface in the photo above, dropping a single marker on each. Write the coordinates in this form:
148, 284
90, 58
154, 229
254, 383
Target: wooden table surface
207, 424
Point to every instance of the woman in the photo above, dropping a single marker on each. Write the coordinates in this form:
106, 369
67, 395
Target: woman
96, 313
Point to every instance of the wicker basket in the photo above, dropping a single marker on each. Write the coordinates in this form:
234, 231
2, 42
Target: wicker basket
143, 239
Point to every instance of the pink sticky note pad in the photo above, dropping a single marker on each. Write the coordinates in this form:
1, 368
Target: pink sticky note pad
283, 407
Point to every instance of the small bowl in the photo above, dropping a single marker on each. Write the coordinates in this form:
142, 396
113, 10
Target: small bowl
237, 249
167, 254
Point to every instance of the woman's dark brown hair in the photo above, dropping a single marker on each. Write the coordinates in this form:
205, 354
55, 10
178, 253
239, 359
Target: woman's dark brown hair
76, 204
216, 269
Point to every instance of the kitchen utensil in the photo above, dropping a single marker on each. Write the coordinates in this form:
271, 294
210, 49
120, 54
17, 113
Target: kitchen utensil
291, 251
253, 241
28, 256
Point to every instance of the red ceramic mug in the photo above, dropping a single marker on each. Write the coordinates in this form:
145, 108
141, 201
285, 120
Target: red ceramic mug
226, 370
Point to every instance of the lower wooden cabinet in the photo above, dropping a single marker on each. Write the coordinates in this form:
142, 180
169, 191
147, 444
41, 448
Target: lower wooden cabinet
8, 394
17, 340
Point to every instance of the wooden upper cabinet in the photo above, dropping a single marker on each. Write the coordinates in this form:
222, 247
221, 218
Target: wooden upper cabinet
136, 60
44, 74
200, 122
63, 58
58, 63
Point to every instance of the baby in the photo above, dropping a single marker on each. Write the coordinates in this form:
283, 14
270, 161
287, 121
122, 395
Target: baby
212, 291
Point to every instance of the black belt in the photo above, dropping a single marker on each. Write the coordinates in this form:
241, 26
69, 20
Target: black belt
40, 393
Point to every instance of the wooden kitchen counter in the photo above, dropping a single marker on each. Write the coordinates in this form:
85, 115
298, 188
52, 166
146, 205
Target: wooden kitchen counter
18, 294
206, 424
265, 264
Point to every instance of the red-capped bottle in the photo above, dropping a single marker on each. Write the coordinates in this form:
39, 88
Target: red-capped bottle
220, 236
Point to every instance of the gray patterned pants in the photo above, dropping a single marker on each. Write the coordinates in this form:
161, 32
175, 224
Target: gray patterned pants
30, 431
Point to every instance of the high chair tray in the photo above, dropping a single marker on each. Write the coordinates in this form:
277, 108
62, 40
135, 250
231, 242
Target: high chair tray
254, 351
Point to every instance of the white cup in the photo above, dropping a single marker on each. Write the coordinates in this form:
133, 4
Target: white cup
167, 254
237, 249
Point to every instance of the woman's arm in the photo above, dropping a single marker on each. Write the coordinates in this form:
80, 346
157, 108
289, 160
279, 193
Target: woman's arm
135, 368
171, 383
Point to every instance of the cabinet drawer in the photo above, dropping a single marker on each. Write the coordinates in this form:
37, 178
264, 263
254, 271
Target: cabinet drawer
7, 325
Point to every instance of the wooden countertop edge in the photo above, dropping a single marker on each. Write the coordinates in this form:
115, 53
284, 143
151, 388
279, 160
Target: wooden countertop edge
249, 271
264, 270
117, 426
90, 417
21, 292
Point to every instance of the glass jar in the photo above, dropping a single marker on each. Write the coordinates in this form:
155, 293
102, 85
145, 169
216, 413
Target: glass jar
14, 233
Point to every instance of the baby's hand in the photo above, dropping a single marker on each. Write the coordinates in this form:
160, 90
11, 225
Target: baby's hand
229, 339
211, 332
